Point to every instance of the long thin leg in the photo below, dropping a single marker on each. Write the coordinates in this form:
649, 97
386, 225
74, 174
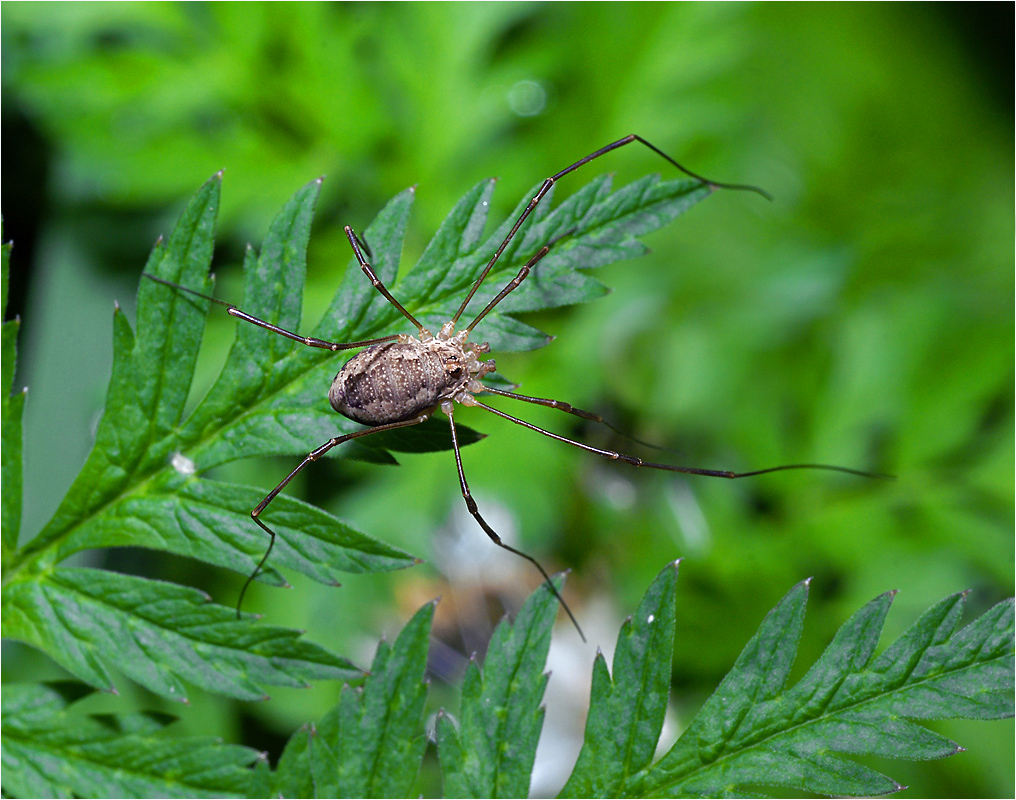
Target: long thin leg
310, 341
513, 284
635, 461
311, 457
568, 408
356, 244
491, 533
547, 184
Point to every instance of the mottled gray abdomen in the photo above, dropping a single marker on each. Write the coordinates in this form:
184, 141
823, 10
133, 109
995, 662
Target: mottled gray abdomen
393, 382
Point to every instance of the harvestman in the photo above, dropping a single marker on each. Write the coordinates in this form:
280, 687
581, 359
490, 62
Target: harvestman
401, 380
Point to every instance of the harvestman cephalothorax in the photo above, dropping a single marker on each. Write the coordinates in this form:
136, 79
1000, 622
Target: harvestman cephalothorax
401, 380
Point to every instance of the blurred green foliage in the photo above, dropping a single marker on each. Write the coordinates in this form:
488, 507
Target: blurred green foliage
863, 318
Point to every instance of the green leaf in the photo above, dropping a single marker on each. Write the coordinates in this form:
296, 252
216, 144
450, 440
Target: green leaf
48, 752
261, 363
626, 709
11, 415
590, 229
210, 520
151, 378
89, 620
753, 732
371, 743
140, 487
491, 752
143, 485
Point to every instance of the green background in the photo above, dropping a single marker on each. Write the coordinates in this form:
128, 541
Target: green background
864, 318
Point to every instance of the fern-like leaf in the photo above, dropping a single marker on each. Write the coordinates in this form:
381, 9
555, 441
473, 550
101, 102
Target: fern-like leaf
371, 743
143, 483
490, 752
156, 633
49, 752
12, 407
627, 708
138, 488
754, 732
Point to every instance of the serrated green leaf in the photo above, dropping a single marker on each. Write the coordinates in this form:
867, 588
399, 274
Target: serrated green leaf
591, 228
442, 276
93, 620
254, 370
151, 377
139, 486
28, 704
278, 405
371, 743
752, 732
292, 776
458, 236
491, 753
210, 521
167, 343
11, 449
12, 409
626, 710
143, 483
11, 416
50, 753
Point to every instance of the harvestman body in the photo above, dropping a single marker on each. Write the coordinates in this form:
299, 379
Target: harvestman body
401, 380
